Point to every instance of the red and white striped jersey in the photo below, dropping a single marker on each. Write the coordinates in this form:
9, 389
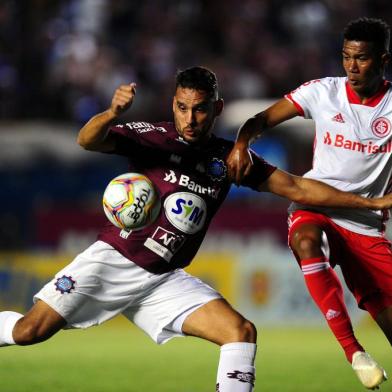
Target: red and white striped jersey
352, 147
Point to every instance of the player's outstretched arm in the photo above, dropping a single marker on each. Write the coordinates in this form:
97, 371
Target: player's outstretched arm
94, 134
315, 193
239, 161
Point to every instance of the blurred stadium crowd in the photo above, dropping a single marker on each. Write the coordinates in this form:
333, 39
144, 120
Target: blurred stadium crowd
60, 61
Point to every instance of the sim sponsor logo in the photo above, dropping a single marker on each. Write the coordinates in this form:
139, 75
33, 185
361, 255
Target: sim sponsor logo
186, 211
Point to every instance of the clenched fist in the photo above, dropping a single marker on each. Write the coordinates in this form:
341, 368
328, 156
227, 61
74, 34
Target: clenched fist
123, 98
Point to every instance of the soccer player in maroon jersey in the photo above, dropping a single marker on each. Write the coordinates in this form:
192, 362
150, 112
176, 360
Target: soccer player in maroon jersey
352, 152
139, 273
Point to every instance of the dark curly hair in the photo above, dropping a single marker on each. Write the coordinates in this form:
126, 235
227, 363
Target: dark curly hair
372, 30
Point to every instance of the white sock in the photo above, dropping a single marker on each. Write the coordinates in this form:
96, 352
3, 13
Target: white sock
236, 372
7, 324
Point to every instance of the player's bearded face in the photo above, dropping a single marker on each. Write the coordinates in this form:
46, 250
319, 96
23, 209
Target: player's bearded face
364, 67
194, 114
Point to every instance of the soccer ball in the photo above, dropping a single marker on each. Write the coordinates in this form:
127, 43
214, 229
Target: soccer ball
131, 202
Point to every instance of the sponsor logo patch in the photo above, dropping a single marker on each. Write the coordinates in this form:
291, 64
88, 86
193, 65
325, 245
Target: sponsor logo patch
186, 211
242, 376
170, 177
338, 118
143, 127
164, 243
331, 314
186, 182
340, 141
125, 233
65, 284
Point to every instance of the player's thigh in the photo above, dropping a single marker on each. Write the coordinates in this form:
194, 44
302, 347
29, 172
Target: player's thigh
384, 320
367, 270
95, 287
39, 323
165, 302
219, 323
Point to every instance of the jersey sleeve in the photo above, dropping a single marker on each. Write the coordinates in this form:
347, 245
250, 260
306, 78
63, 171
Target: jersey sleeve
259, 172
306, 98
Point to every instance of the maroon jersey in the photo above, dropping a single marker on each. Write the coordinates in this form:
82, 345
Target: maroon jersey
192, 183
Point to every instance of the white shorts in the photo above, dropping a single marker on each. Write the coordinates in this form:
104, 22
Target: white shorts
100, 283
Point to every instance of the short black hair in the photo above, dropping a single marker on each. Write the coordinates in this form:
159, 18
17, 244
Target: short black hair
198, 78
372, 30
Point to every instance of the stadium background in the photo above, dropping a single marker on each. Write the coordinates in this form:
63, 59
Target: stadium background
60, 62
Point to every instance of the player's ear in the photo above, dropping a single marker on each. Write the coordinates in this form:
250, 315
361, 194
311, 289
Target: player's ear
174, 104
219, 104
385, 58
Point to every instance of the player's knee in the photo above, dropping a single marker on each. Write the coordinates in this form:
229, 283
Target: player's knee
250, 332
306, 245
245, 331
28, 332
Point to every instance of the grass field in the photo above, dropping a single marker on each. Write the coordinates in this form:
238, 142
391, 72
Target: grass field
117, 357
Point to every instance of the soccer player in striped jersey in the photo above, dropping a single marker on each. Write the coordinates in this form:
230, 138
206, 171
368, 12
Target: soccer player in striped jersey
352, 152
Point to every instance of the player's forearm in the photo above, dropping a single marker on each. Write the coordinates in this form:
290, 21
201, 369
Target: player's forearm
93, 134
251, 130
315, 193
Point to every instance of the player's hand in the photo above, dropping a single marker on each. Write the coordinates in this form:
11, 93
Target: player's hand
239, 163
123, 98
382, 203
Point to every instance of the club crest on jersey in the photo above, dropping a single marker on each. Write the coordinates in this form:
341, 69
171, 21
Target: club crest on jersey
381, 127
216, 169
186, 211
65, 284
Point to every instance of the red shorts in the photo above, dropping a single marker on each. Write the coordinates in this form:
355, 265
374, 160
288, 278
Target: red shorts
365, 261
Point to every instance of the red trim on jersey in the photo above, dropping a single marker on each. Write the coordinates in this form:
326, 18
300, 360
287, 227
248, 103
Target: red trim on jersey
290, 98
372, 101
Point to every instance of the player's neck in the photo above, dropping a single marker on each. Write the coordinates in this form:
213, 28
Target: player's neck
370, 91
203, 141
